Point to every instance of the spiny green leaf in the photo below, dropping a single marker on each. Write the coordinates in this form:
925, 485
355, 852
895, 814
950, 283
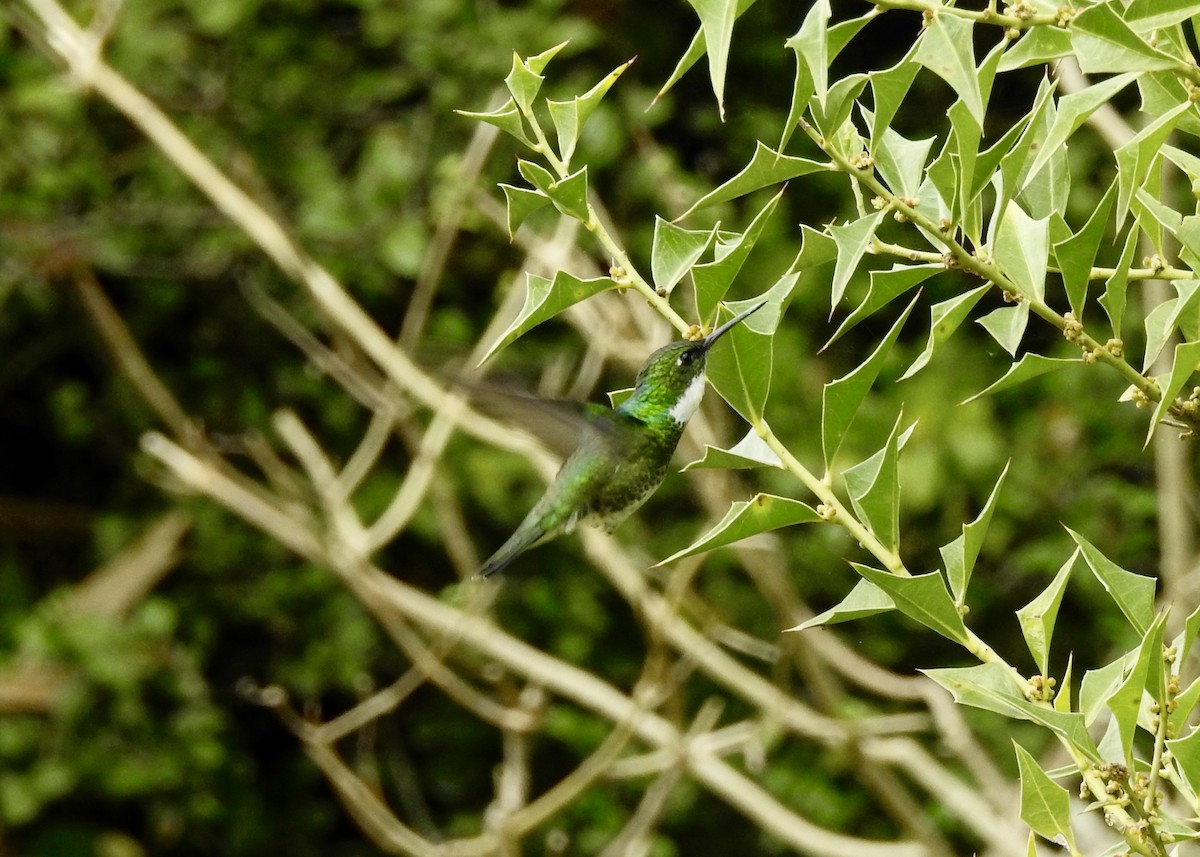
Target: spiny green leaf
675, 250
716, 21
1038, 46
1187, 355
1045, 805
900, 161
888, 88
1073, 111
1037, 618
1021, 250
811, 45
960, 555
1133, 593
745, 518
991, 686
1103, 43
865, 599
545, 299
569, 117
525, 78
945, 318
521, 202
874, 489
947, 49
767, 167
1163, 320
747, 453
1135, 158
569, 195
852, 241
923, 598
1099, 684
1146, 15
1030, 366
840, 399
1116, 287
695, 50
712, 279
1186, 751
1126, 702
507, 118
1007, 325
1076, 254
741, 371
886, 286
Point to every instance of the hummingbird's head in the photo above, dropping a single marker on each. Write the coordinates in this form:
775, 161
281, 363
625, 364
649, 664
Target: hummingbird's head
673, 377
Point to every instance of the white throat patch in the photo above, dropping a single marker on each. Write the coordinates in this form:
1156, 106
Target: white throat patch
683, 410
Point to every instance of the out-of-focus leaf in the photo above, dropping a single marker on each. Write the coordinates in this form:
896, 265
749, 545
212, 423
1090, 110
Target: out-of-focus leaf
745, 518
767, 167
945, 318
712, 279
674, 251
1030, 366
1105, 44
865, 599
748, 452
947, 48
1133, 593
569, 117
991, 687
545, 299
1045, 805
923, 598
841, 399
1037, 618
1007, 325
960, 555
1076, 254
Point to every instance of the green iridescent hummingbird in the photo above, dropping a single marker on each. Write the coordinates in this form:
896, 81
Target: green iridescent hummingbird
625, 451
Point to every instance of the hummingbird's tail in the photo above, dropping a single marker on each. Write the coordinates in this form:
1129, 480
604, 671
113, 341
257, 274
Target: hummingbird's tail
524, 538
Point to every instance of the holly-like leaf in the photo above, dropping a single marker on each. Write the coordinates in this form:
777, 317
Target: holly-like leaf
1187, 357
960, 555
900, 161
947, 49
874, 489
545, 299
888, 88
1133, 593
1186, 751
1030, 366
1021, 250
712, 279
1045, 805
923, 598
1076, 254
674, 252
569, 195
745, 518
1105, 44
1007, 325
766, 167
1163, 320
696, 49
1127, 700
886, 286
1073, 111
1116, 287
521, 202
865, 599
840, 399
852, 240
992, 687
507, 118
716, 22
525, 79
570, 116
1037, 618
751, 451
1038, 46
945, 318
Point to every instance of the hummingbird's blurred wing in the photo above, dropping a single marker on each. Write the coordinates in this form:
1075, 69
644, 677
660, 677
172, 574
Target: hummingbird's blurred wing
559, 424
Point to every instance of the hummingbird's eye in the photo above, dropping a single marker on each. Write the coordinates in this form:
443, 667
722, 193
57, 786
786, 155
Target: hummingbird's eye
686, 357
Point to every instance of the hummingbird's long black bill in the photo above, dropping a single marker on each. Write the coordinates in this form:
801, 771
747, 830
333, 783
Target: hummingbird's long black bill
727, 326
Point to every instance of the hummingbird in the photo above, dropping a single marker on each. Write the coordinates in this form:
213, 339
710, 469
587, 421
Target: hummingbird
625, 451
